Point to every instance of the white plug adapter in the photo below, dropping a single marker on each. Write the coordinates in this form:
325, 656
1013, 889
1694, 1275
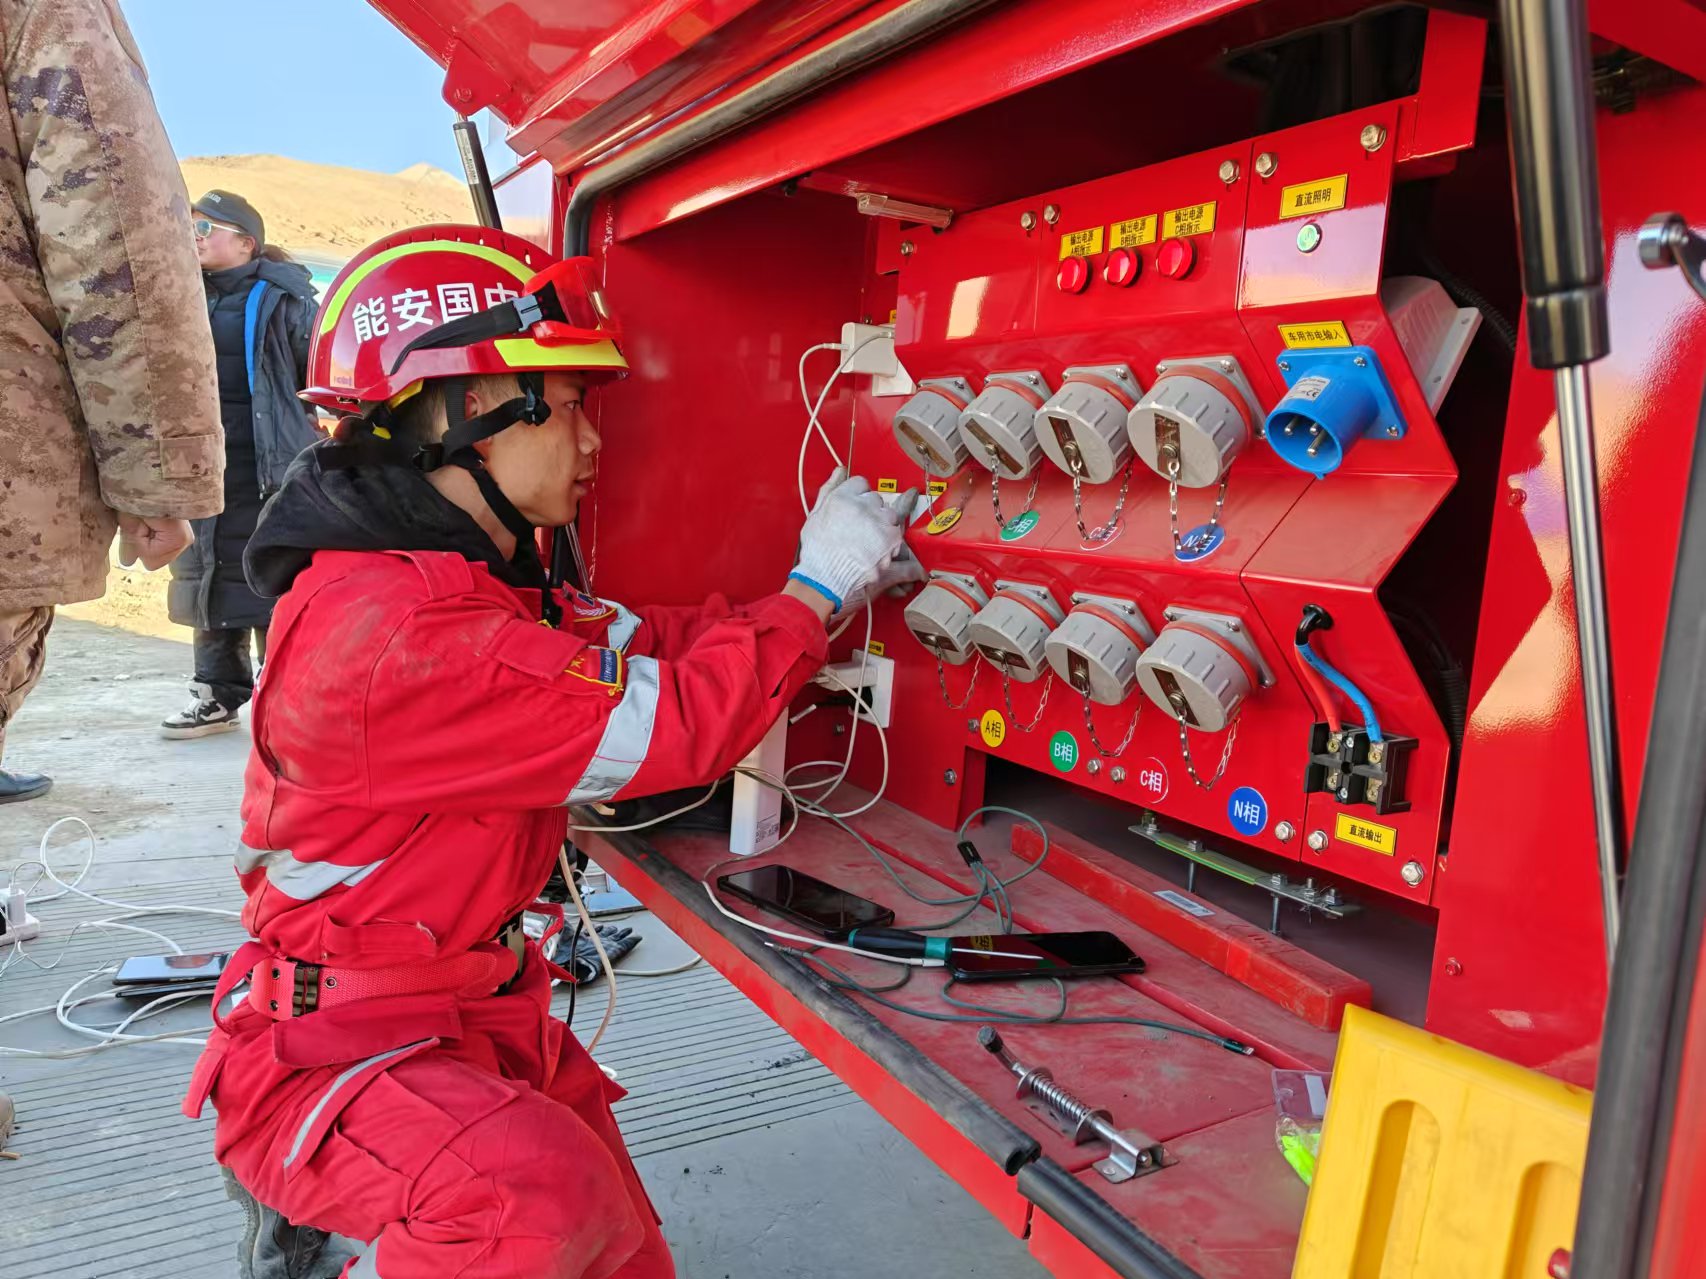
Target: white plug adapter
869, 348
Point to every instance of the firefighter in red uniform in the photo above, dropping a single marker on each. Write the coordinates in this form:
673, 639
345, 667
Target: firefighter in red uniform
394, 1074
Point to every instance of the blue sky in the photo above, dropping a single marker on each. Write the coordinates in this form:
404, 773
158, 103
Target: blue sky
324, 80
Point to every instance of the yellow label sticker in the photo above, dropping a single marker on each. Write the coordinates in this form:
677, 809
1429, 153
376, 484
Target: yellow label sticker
1320, 196
936, 488
1081, 244
875, 648
1305, 337
943, 520
892, 315
1193, 219
993, 728
887, 486
1365, 834
1133, 232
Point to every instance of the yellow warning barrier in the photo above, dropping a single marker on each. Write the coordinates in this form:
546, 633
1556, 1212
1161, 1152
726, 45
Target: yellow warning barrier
1440, 1162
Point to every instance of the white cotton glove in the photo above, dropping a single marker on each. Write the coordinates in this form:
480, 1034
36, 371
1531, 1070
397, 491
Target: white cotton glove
900, 570
849, 538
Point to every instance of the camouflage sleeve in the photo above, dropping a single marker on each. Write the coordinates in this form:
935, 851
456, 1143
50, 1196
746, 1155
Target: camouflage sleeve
118, 258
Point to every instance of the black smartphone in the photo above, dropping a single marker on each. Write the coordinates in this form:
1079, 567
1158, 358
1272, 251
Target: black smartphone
806, 901
170, 970
1015, 956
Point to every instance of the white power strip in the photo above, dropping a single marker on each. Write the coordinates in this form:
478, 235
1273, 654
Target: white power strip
20, 925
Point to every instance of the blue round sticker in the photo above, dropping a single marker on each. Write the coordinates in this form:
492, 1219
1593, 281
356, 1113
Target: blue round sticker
1247, 811
1199, 543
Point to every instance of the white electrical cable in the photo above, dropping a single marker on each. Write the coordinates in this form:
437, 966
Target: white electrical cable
853, 733
69, 1001
597, 944
818, 942
812, 423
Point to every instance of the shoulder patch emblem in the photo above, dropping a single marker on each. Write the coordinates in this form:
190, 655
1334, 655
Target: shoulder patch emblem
587, 608
598, 666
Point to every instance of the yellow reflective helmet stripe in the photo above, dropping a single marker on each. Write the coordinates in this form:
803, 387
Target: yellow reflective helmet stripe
525, 353
335, 304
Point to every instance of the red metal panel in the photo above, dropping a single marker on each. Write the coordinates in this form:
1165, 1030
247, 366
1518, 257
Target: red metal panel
1273, 967
1520, 962
1009, 48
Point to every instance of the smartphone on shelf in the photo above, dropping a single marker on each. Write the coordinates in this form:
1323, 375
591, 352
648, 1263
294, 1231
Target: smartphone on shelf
1013, 956
802, 899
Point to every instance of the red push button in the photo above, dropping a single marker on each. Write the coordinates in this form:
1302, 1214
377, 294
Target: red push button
1073, 275
1176, 258
1123, 267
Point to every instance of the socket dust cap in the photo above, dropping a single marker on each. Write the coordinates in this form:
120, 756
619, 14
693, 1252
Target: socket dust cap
1196, 416
940, 615
998, 428
1012, 630
927, 426
1082, 428
1095, 651
1195, 677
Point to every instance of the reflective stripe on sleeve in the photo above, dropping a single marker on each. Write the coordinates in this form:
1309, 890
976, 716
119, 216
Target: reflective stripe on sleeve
627, 736
620, 633
300, 879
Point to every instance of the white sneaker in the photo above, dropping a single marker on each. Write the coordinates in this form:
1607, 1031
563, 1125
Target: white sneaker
202, 718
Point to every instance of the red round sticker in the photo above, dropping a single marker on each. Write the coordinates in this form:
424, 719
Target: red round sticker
1151, 778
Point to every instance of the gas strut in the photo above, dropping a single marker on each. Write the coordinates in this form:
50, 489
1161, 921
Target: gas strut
1549, 90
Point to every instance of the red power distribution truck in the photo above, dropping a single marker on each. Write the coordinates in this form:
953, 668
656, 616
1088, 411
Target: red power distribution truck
1305, 400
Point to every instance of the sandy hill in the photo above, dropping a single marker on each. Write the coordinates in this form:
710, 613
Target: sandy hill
327, 210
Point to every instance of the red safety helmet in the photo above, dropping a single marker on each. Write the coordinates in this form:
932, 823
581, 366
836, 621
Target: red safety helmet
430, 302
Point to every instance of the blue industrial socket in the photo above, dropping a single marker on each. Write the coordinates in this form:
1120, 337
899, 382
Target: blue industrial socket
1337, 397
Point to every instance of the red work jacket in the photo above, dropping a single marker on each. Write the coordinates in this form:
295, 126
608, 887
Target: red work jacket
418, 733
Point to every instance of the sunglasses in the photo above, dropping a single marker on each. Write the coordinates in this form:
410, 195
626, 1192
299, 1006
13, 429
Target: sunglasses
204, 228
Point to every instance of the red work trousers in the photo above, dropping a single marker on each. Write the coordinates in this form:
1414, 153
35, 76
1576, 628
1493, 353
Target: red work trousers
490, 1156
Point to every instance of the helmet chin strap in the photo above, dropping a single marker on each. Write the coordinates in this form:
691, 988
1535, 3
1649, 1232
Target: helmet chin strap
456, 448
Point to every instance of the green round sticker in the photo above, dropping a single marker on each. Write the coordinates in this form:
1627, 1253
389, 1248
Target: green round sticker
1063, 751
1020, 525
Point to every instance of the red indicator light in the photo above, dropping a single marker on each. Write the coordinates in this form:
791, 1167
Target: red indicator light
1176, 258
1073, 275
1123, 268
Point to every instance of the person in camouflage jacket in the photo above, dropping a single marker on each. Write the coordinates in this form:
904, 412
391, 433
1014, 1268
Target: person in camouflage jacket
109, 413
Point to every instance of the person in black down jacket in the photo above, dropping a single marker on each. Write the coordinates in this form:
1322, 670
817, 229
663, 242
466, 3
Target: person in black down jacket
262, 308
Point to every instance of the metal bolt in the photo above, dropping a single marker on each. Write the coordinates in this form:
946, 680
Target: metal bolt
1195, 845
1373, 137
1558, 1265
1284, 832
840, 729
1453, 968
1051, 213
1330, 897
950, 777
1226, 366
1412, 873
972, 726
1235, 626
1376, 752
1229, 171
1392, 432
1285, 366
1123, 375
1309, 885
1361, 362
906, 247
1334, 742
1172, 614
1373, 789
1516, 497
1028, 221
1116, 774
1266, 163
464, 95
331, 982
1317, 841
1093, 767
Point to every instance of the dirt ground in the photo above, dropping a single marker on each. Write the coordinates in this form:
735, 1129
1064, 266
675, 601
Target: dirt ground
135, 601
